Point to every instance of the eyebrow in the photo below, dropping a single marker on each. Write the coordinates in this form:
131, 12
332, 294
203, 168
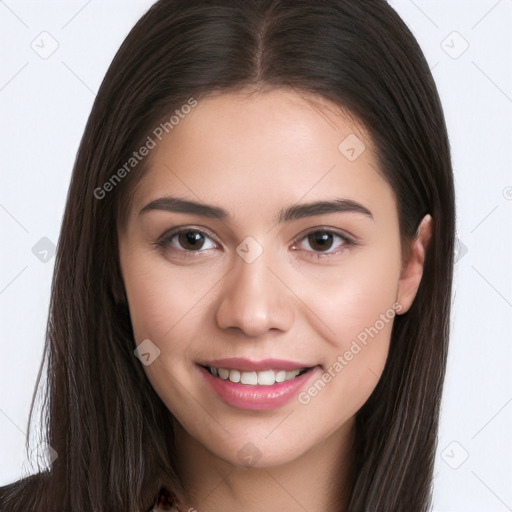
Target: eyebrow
294, 212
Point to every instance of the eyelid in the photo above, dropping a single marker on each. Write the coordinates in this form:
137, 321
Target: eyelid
327, 229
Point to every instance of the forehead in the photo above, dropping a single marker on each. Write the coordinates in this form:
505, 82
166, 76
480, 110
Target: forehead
272, 147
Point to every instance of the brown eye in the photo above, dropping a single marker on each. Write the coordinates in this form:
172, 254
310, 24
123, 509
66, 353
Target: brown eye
320, 240
186, 241
324, 243
191, 240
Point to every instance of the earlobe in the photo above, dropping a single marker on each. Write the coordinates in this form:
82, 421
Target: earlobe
412, 270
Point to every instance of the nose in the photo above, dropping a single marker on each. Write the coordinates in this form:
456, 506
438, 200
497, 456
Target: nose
255, 299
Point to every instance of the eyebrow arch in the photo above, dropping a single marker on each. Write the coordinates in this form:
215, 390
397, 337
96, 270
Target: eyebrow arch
338, 205
295, 212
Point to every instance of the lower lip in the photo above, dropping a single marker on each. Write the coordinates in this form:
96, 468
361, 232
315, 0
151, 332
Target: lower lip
260, 398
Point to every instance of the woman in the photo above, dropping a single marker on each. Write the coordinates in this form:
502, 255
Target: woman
251, 298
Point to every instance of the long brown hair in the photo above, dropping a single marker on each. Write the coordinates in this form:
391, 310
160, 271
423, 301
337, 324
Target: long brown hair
113, 435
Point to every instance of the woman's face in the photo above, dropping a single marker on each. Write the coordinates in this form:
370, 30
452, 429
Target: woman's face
276, 250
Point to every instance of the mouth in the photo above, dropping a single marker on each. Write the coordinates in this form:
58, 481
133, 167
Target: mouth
256, 385
268, 377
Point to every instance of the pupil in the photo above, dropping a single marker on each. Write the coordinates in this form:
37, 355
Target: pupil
190, 239
320, 240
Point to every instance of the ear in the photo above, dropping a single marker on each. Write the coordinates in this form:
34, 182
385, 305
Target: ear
412, 268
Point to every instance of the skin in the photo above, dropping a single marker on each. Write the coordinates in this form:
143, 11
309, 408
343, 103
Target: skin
253, 155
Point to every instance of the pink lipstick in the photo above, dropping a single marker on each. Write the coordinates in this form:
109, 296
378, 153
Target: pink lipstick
256, 385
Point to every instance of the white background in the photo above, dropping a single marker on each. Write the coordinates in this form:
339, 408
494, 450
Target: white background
44, 104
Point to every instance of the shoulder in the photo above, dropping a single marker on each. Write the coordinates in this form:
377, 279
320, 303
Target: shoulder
18, 495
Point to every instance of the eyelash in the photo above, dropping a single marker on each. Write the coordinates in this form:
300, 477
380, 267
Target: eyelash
164, 241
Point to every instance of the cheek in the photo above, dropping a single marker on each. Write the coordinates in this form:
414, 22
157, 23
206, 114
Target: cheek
357, 305
352, 296
163, 307
159, 299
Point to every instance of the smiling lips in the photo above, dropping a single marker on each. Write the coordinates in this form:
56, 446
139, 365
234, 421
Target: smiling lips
261, 378
257, 385
255, 373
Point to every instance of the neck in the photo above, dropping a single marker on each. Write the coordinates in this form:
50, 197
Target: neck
316, 480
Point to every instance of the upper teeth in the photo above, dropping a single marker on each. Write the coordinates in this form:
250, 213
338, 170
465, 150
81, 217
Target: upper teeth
263, 378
